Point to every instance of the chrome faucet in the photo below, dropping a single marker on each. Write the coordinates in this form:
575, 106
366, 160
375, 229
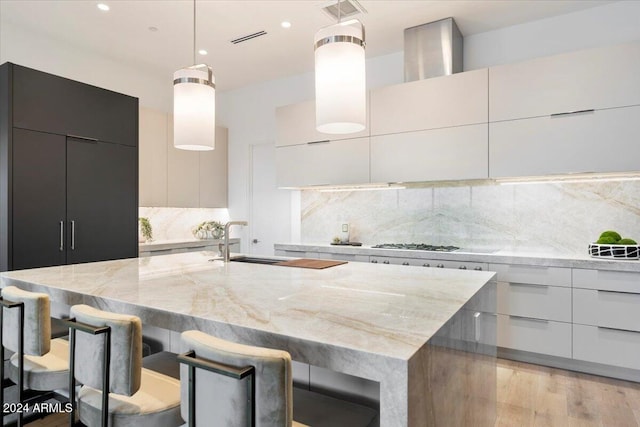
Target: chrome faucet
224, 248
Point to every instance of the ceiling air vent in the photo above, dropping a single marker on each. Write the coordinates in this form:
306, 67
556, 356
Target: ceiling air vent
248, 37
348, 8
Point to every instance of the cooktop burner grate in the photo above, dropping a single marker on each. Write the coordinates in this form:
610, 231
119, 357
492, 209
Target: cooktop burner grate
417, 247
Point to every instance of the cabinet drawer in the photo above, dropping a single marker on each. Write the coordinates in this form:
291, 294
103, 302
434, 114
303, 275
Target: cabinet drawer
554, 276
607, 308
548, 145
537, 301
432, 155
622, 281
608, 346
534, 335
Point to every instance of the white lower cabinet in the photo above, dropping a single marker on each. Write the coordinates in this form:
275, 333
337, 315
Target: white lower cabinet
607, 346
610, 309
535, 301
534, 335
462, 265
342, 162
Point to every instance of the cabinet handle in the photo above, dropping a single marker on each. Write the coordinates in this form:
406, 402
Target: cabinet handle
84, 138
568, 113
73, 235
61, 236
323, 141
616, 329
528, 318
618, 292
476, 324
529, 285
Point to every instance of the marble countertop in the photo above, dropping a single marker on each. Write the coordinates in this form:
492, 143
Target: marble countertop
502, 256
382, 310
159, 245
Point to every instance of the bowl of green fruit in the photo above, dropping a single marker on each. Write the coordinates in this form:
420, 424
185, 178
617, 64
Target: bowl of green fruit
613, 246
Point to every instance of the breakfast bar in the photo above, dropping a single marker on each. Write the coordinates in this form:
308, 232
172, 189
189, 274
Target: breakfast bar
427, 336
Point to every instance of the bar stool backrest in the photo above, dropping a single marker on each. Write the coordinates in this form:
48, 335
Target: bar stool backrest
126, 350
37, 331
222, 401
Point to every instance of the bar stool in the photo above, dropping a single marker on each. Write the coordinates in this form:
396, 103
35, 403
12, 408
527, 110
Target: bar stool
38, 363
241, 385
106, 358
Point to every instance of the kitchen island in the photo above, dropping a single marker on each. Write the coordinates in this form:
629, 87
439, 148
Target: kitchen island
421, 333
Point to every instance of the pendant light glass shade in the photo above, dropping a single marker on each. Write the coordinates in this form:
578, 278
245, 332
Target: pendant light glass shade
194, 108
341, 97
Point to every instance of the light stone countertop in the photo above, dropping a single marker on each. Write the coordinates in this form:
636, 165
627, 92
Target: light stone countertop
503, 256
160, 245
384, 310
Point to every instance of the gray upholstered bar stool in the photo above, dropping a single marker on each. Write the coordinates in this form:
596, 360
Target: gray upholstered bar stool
38, 363
116, 390
228, 384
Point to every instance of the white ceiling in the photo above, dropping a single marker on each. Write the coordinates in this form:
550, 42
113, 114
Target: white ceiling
123, 33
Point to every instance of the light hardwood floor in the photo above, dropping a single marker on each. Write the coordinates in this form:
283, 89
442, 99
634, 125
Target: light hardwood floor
537, 396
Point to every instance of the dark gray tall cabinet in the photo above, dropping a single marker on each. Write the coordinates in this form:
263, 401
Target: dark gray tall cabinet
68, 171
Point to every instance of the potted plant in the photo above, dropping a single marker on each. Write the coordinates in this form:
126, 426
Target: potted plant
146, 232
209, 230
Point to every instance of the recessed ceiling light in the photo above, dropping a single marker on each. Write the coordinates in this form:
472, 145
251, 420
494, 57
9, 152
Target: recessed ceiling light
153, 29
285, 24
103, 7
202, 52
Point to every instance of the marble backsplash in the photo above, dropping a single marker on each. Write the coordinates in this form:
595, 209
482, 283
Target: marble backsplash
177, 223
560, 218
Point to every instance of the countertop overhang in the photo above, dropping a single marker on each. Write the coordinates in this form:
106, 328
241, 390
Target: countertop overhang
382, 310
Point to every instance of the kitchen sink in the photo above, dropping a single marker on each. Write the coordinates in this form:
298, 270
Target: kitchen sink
254, 260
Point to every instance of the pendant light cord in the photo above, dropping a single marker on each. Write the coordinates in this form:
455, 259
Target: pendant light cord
194, 32
339, 11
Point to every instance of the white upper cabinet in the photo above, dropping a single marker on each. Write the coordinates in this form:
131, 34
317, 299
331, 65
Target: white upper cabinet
327, 163
584, 80
455, 100
451, 153
296, 124
598, 141
179, 178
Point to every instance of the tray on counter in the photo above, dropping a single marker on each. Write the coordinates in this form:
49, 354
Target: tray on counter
613, 251
347, 244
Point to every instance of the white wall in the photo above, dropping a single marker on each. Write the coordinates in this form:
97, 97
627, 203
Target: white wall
34, 50
617, 22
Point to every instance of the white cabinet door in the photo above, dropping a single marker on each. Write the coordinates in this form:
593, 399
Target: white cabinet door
607, 346
328, 163
458, 99
534, 335
622, 281
611, 309
600, 141
213, 173
532, 274
152, 158
587, 79
432, 155
536, 301
183, 187
296, 124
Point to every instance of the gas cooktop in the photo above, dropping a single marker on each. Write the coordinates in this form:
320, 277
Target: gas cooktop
416, 247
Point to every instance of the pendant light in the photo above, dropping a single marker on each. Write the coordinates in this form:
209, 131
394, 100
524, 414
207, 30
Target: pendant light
341, 97
194, 104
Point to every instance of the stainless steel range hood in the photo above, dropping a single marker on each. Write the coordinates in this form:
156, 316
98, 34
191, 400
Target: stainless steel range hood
432, 50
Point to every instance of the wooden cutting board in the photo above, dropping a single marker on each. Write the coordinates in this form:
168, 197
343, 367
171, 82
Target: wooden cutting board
316, 264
